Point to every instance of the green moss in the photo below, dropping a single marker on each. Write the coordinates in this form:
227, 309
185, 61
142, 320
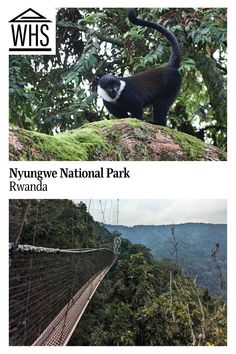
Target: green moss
106, 123
90, 143
133, 122
81, 144
142, 152
113, 140
222, 155
192, 147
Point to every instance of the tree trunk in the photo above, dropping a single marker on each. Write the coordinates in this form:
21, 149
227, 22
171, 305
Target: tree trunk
111, 140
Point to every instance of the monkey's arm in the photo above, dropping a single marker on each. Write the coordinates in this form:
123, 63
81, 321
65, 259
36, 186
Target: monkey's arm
115, 110
137, 111
132, 102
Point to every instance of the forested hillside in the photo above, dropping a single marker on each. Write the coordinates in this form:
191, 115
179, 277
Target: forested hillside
195, 242
141, 301
56, 223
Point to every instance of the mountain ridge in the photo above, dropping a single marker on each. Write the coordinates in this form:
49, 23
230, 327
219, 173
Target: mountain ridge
195, 242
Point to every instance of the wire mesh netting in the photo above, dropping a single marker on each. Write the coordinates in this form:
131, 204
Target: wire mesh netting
43, 281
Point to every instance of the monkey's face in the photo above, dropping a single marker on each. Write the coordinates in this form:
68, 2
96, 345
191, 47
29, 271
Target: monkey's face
109, 88
112, 89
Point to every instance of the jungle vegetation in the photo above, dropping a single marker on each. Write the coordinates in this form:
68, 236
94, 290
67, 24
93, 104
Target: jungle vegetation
141, 301
51, 94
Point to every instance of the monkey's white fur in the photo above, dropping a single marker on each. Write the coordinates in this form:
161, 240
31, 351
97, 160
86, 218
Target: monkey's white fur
103, 94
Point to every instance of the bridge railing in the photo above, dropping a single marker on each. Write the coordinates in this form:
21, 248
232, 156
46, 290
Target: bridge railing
49, 290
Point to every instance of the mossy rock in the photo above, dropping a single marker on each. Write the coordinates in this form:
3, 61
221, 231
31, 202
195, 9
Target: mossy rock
111, 140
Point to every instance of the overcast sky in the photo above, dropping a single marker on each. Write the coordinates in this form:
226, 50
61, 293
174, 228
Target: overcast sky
158, 211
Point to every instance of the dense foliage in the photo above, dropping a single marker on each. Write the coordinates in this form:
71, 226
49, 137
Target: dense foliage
57, 93
55, 223
141, 301
195, 243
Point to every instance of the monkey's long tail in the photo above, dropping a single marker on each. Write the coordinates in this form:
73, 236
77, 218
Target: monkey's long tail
174, 59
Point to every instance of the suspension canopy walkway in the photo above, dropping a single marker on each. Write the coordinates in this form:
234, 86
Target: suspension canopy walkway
49, 289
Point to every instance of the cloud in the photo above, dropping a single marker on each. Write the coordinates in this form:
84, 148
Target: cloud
160, 211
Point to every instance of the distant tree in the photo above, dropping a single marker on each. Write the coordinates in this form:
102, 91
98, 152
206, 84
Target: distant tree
174, 244
214, 256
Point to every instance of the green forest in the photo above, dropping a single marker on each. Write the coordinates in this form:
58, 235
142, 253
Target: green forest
195, 241
141, 301
52, 94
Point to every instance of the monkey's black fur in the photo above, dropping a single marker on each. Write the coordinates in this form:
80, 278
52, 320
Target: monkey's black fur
158, 87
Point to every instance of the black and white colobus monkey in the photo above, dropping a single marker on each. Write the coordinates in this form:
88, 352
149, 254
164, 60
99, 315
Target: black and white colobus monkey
127, 96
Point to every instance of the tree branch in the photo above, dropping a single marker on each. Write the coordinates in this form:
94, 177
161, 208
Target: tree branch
91, 32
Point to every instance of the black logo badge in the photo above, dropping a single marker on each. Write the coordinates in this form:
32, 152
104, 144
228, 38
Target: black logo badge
32, 33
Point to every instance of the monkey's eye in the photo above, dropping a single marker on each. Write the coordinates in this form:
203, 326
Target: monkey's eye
112, 89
